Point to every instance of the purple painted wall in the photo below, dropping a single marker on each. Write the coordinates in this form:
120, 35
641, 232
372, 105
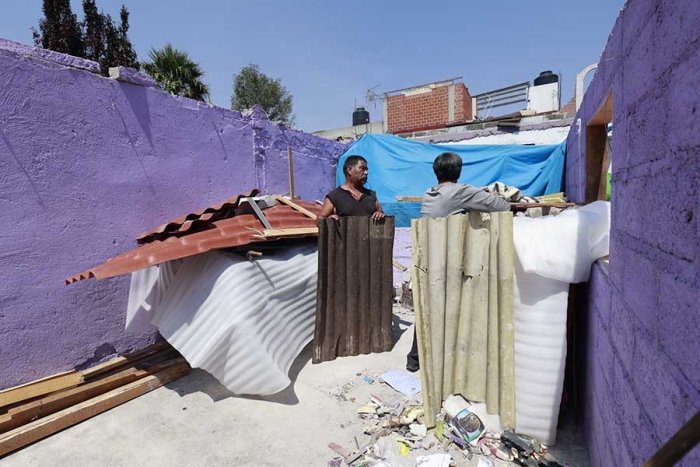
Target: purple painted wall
88, 163
643, 347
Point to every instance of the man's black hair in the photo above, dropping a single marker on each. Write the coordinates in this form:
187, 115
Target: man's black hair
352, 161
447, 167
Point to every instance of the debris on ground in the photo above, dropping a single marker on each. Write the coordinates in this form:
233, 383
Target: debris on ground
402, 381
400, 437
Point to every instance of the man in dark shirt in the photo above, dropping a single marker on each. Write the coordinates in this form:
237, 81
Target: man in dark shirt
352, 198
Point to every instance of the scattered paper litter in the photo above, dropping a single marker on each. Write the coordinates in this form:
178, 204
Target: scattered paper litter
434, 460
402, 381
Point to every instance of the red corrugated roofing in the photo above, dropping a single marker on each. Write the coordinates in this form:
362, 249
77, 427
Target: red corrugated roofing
184, 223
200, 232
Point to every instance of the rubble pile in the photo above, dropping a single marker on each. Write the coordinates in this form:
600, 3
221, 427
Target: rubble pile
399, 437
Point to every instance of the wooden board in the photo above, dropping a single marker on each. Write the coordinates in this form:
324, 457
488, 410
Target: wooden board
295, 206
418, 199
541, 205
40, 387
52, 403
39, 429
124, 361
288, 232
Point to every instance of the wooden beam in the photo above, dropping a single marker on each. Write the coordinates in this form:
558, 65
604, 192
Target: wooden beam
541, 205
409, 199
296, 207
603, 183
119, 362
40, 387
291, 172
679, 445
399, 266
52, 403
39, 429
288, 232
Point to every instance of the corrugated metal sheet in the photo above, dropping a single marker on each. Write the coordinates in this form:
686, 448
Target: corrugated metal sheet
354, 304
184, 223
242, 321
463, 299
201, 233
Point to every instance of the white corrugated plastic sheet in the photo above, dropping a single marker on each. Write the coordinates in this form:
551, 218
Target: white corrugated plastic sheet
242, 321
550, 253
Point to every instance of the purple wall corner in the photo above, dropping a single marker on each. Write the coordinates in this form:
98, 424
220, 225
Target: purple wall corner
88, 164
641, 364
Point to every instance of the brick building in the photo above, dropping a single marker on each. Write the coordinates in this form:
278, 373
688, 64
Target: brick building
427, 107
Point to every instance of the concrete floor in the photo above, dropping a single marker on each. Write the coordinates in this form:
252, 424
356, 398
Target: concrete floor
195, 421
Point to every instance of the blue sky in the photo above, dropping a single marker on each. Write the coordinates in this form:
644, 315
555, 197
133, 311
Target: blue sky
328, 53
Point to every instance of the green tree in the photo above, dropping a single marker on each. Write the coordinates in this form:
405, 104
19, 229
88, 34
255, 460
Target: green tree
106, 42
96, 38
251, 87
176, 73
59, 30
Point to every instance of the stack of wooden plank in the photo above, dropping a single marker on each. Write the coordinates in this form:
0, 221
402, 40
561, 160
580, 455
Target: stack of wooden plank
41, 408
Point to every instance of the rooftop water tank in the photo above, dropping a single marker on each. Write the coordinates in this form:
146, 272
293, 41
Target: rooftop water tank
360, 116
546, 77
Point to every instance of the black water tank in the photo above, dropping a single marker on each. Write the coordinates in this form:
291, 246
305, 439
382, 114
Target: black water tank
546, 77
360, 116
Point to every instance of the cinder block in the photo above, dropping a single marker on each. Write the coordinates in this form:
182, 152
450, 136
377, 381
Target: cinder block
676, 31
684, 104
626, 212
672, 228
649, 126
634, 18
637, 431
679, 322
641, 288
664, 392
624, 328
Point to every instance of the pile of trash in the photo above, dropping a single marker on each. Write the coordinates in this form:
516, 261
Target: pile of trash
400, 438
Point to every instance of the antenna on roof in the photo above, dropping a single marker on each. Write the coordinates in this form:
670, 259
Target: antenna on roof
371, 96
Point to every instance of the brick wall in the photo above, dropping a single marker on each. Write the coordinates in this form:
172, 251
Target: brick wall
463, 103
427, 110
642, 365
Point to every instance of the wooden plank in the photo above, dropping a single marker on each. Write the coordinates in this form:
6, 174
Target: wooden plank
40, 387
542, 205
409, 199
39, 429
603, 184
291, 172
679, 445
52, 403
296, 207
123, 361
268, 233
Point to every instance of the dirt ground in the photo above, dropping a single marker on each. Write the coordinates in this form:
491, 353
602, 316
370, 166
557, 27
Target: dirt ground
195, 421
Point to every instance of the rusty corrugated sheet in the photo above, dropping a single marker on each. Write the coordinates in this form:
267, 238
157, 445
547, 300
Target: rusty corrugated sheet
354, 305
175, 242
184, 223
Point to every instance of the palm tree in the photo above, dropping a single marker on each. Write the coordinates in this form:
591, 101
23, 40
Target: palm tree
176, 73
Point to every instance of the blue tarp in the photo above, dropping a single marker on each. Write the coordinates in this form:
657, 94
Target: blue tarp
402, 167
